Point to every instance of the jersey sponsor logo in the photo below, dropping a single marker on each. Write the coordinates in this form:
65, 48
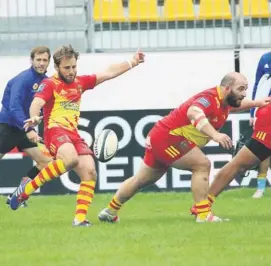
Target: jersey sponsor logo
204, 102
41, 87
35, 86
266, 66
63, 92
70, 106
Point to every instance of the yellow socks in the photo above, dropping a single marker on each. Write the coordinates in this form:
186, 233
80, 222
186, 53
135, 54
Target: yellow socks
203, 209
48, 173
114, 206
84, 198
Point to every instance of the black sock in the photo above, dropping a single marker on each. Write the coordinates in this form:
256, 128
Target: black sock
33, 172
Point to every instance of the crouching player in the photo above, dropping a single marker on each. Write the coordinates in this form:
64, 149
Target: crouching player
177, 139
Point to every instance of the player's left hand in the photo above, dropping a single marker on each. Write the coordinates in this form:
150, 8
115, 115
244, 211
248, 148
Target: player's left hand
139, 57
263, 102
32, 122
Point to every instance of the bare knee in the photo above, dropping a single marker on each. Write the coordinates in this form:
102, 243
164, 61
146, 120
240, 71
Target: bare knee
240, 169
203, 165
68, 155
71, 162
92, 174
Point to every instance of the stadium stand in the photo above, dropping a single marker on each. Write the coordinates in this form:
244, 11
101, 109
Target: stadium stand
178, 10
102, 25
210, 9
256, 8
109, 11
143, 10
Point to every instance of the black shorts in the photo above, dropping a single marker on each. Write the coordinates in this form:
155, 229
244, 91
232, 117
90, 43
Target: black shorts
259, 150
11, 137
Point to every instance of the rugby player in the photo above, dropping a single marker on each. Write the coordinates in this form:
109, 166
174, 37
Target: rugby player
177, 139
262, 75
60, 97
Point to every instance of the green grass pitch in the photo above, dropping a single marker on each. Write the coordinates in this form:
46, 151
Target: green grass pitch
155, 229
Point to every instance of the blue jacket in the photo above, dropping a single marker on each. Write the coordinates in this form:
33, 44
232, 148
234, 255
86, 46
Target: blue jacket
264, 68
18, 96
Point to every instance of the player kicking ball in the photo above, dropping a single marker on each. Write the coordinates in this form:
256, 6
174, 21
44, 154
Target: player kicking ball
60, 98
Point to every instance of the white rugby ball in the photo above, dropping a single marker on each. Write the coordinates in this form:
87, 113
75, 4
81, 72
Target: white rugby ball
105, 145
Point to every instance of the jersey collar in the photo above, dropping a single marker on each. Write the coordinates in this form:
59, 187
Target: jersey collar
218, 90
36, 73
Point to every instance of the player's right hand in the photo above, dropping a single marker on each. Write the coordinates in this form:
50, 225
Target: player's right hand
32, 122
223, 139
33, 136
139, 57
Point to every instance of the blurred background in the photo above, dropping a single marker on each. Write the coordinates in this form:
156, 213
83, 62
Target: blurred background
118, 26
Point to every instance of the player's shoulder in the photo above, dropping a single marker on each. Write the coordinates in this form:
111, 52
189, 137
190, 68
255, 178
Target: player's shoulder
83, 77
206, 97
266, 56
23, 76
47, 83
209, 93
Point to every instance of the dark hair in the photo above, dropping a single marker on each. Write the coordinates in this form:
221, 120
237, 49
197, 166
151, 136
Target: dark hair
64, 52
40, 50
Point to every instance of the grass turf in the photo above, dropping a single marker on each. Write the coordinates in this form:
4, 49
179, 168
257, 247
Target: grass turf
155, 229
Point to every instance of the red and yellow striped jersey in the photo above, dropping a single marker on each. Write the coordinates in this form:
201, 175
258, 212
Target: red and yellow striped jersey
210, 102
62, 108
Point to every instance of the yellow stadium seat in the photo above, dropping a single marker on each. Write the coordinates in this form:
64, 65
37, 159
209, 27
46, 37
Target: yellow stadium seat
143, 10
178, 10
108, 11
214, 9
256, 8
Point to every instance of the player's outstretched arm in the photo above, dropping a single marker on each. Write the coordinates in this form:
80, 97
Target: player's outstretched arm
201, 123
116, 70
247, 104
34, 112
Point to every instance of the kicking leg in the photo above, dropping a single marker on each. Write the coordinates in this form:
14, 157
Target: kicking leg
67, 158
